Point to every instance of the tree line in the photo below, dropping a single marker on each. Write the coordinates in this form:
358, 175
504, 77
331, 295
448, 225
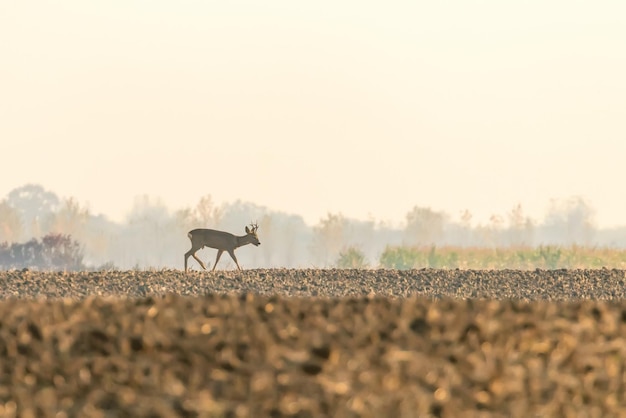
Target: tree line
154, 236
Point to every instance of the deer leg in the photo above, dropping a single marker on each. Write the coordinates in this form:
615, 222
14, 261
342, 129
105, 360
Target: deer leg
232, 255
219, 254
192, 253
187, 254
199, 261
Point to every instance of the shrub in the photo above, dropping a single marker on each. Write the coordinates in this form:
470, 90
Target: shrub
53, 252
404, 258
351, 258
400, 258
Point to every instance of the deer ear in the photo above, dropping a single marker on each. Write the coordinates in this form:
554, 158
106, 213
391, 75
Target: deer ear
247, 230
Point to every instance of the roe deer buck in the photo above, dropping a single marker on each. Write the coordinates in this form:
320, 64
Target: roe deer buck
220, 240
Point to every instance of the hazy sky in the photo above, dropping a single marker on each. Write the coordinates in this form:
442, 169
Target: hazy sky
364, 108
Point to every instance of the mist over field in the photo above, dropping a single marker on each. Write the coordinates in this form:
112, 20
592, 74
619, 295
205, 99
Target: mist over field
155, 236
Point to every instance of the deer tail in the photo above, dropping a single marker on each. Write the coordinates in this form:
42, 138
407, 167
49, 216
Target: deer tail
189, 235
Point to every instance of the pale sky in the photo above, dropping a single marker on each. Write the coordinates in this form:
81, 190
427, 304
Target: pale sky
363, 108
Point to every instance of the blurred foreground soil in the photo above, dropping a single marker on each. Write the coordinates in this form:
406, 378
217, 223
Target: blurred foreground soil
313, 343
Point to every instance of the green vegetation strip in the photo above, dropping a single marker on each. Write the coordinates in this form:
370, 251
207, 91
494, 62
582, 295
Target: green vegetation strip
544, 257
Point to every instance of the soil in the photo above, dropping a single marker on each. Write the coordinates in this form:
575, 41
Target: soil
313, 343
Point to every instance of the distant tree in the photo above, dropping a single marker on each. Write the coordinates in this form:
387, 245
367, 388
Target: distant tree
521, 227
290, 233
10, 223
207, 213
328, 237
268, 250
465, 228
70, 219
147, 209
491, 234
285, 240
424, 226
234, 216
147, 239
184, 217
363, 235
466, 218
34, 205
99, 238
570, 221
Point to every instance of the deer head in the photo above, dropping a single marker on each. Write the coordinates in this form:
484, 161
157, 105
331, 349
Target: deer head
252, 231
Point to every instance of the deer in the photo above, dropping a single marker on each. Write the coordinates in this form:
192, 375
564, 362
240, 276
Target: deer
221, 241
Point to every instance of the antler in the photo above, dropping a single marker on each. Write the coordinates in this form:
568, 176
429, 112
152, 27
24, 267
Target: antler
254, 226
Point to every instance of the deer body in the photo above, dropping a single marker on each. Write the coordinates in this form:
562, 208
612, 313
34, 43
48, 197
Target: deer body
221, 241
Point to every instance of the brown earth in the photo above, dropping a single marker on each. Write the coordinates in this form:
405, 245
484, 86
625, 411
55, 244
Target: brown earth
338, 343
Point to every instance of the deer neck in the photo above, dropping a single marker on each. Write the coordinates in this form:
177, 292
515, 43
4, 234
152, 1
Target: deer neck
243, 240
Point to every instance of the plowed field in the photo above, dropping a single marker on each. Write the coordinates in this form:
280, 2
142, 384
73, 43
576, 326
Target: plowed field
310, 343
